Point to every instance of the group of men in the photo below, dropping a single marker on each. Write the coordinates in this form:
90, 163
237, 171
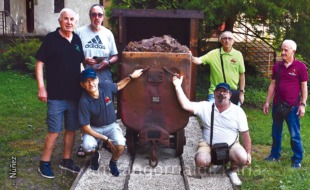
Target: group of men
82, 98
64, 55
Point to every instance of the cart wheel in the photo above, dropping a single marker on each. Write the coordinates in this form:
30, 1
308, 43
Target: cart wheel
131, 140
180, 141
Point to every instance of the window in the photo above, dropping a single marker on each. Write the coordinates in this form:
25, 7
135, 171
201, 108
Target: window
7, 5
59, 5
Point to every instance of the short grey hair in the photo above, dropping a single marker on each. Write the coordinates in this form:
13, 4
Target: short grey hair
65, 10
226, 32
290, 43
96, 5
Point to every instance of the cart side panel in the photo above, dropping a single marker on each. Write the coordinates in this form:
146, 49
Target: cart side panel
151, 99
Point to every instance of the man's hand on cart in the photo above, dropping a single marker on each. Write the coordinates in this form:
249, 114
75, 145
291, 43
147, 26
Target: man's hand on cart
177, 80
136, 74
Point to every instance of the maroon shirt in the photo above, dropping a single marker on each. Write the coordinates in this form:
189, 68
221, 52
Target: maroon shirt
288, 88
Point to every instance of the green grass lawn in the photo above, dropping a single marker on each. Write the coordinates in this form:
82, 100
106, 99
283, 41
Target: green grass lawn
23, 129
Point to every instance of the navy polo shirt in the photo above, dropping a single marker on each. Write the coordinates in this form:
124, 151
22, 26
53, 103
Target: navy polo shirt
62, 60
98, 112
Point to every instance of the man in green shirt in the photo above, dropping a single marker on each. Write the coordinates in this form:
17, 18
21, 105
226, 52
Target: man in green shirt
233, 66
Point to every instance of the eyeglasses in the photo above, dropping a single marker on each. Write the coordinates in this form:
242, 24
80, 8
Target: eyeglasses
224, 92
226, 38
96, 14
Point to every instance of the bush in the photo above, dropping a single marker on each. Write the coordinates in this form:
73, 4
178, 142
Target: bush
256, 86
1, 61
256, 90
20, 56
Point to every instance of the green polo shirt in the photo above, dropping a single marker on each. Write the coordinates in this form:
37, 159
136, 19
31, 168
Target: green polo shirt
233, 67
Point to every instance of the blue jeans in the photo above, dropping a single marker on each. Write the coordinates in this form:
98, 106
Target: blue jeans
293, 124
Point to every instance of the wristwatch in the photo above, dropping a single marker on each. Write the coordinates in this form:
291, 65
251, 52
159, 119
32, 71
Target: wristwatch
303, 104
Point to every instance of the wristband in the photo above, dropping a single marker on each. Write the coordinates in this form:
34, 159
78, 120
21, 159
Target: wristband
303, 104
107, 140
109, 63
130, 76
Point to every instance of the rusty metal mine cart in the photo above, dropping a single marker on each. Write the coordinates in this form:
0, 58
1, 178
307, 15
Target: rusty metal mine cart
149, 107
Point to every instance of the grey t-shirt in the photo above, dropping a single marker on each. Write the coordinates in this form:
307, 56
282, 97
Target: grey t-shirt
99, 44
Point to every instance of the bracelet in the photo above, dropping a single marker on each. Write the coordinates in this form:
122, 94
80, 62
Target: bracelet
107, 140
241, 91
109, 62
130, 76
303, 104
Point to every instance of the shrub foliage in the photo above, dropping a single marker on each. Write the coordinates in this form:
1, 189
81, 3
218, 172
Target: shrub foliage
20, 56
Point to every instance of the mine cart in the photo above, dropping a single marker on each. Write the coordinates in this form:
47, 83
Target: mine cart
149, 107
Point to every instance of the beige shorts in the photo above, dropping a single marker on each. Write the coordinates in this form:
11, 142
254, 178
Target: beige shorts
204, 147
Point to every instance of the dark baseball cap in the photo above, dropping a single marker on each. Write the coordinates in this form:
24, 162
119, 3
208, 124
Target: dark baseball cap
88, 73
222, 85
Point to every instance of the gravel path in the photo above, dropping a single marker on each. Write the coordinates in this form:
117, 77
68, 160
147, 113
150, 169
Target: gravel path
171, 172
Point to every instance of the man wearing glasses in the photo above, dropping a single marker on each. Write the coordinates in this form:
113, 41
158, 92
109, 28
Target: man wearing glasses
229, 120
225, 59
99, 48
98, 44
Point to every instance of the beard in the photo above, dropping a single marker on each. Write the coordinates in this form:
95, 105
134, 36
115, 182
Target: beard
221, 98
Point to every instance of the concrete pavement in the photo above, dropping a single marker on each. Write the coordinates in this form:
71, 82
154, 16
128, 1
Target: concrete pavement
171, 172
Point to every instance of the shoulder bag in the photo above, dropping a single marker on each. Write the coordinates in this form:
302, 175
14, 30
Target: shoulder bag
283, 109
219, 151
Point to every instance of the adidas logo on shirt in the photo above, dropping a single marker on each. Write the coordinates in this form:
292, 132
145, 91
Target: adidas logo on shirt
95, 43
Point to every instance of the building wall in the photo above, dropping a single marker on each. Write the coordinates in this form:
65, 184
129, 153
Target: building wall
45, 20
17, 10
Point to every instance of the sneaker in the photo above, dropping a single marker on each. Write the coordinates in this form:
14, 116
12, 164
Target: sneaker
113, 168
272, 159
234, 178
94, 162
214, 169
69, 165
45, 170
296, 165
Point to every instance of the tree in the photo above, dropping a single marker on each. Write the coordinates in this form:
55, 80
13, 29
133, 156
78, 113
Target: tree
283, 18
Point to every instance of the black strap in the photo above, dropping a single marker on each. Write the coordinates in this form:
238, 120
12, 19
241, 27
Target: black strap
212, 118
211, 128
222, 65
278, 82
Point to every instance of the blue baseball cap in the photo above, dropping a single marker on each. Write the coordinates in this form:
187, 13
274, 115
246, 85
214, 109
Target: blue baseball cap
88, 73
222, 85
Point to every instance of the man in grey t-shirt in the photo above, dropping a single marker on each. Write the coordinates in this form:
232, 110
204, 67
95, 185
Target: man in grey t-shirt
98, 44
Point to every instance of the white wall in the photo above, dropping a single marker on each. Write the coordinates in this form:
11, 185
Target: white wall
45, 20
17, 10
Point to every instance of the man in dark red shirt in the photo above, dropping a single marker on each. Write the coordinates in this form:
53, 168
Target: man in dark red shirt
289, 84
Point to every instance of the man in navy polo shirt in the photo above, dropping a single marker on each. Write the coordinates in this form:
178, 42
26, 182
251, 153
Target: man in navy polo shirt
62, 54
97, 117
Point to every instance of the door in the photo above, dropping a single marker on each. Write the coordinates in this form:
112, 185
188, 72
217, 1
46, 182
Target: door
30, 15
7, 5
